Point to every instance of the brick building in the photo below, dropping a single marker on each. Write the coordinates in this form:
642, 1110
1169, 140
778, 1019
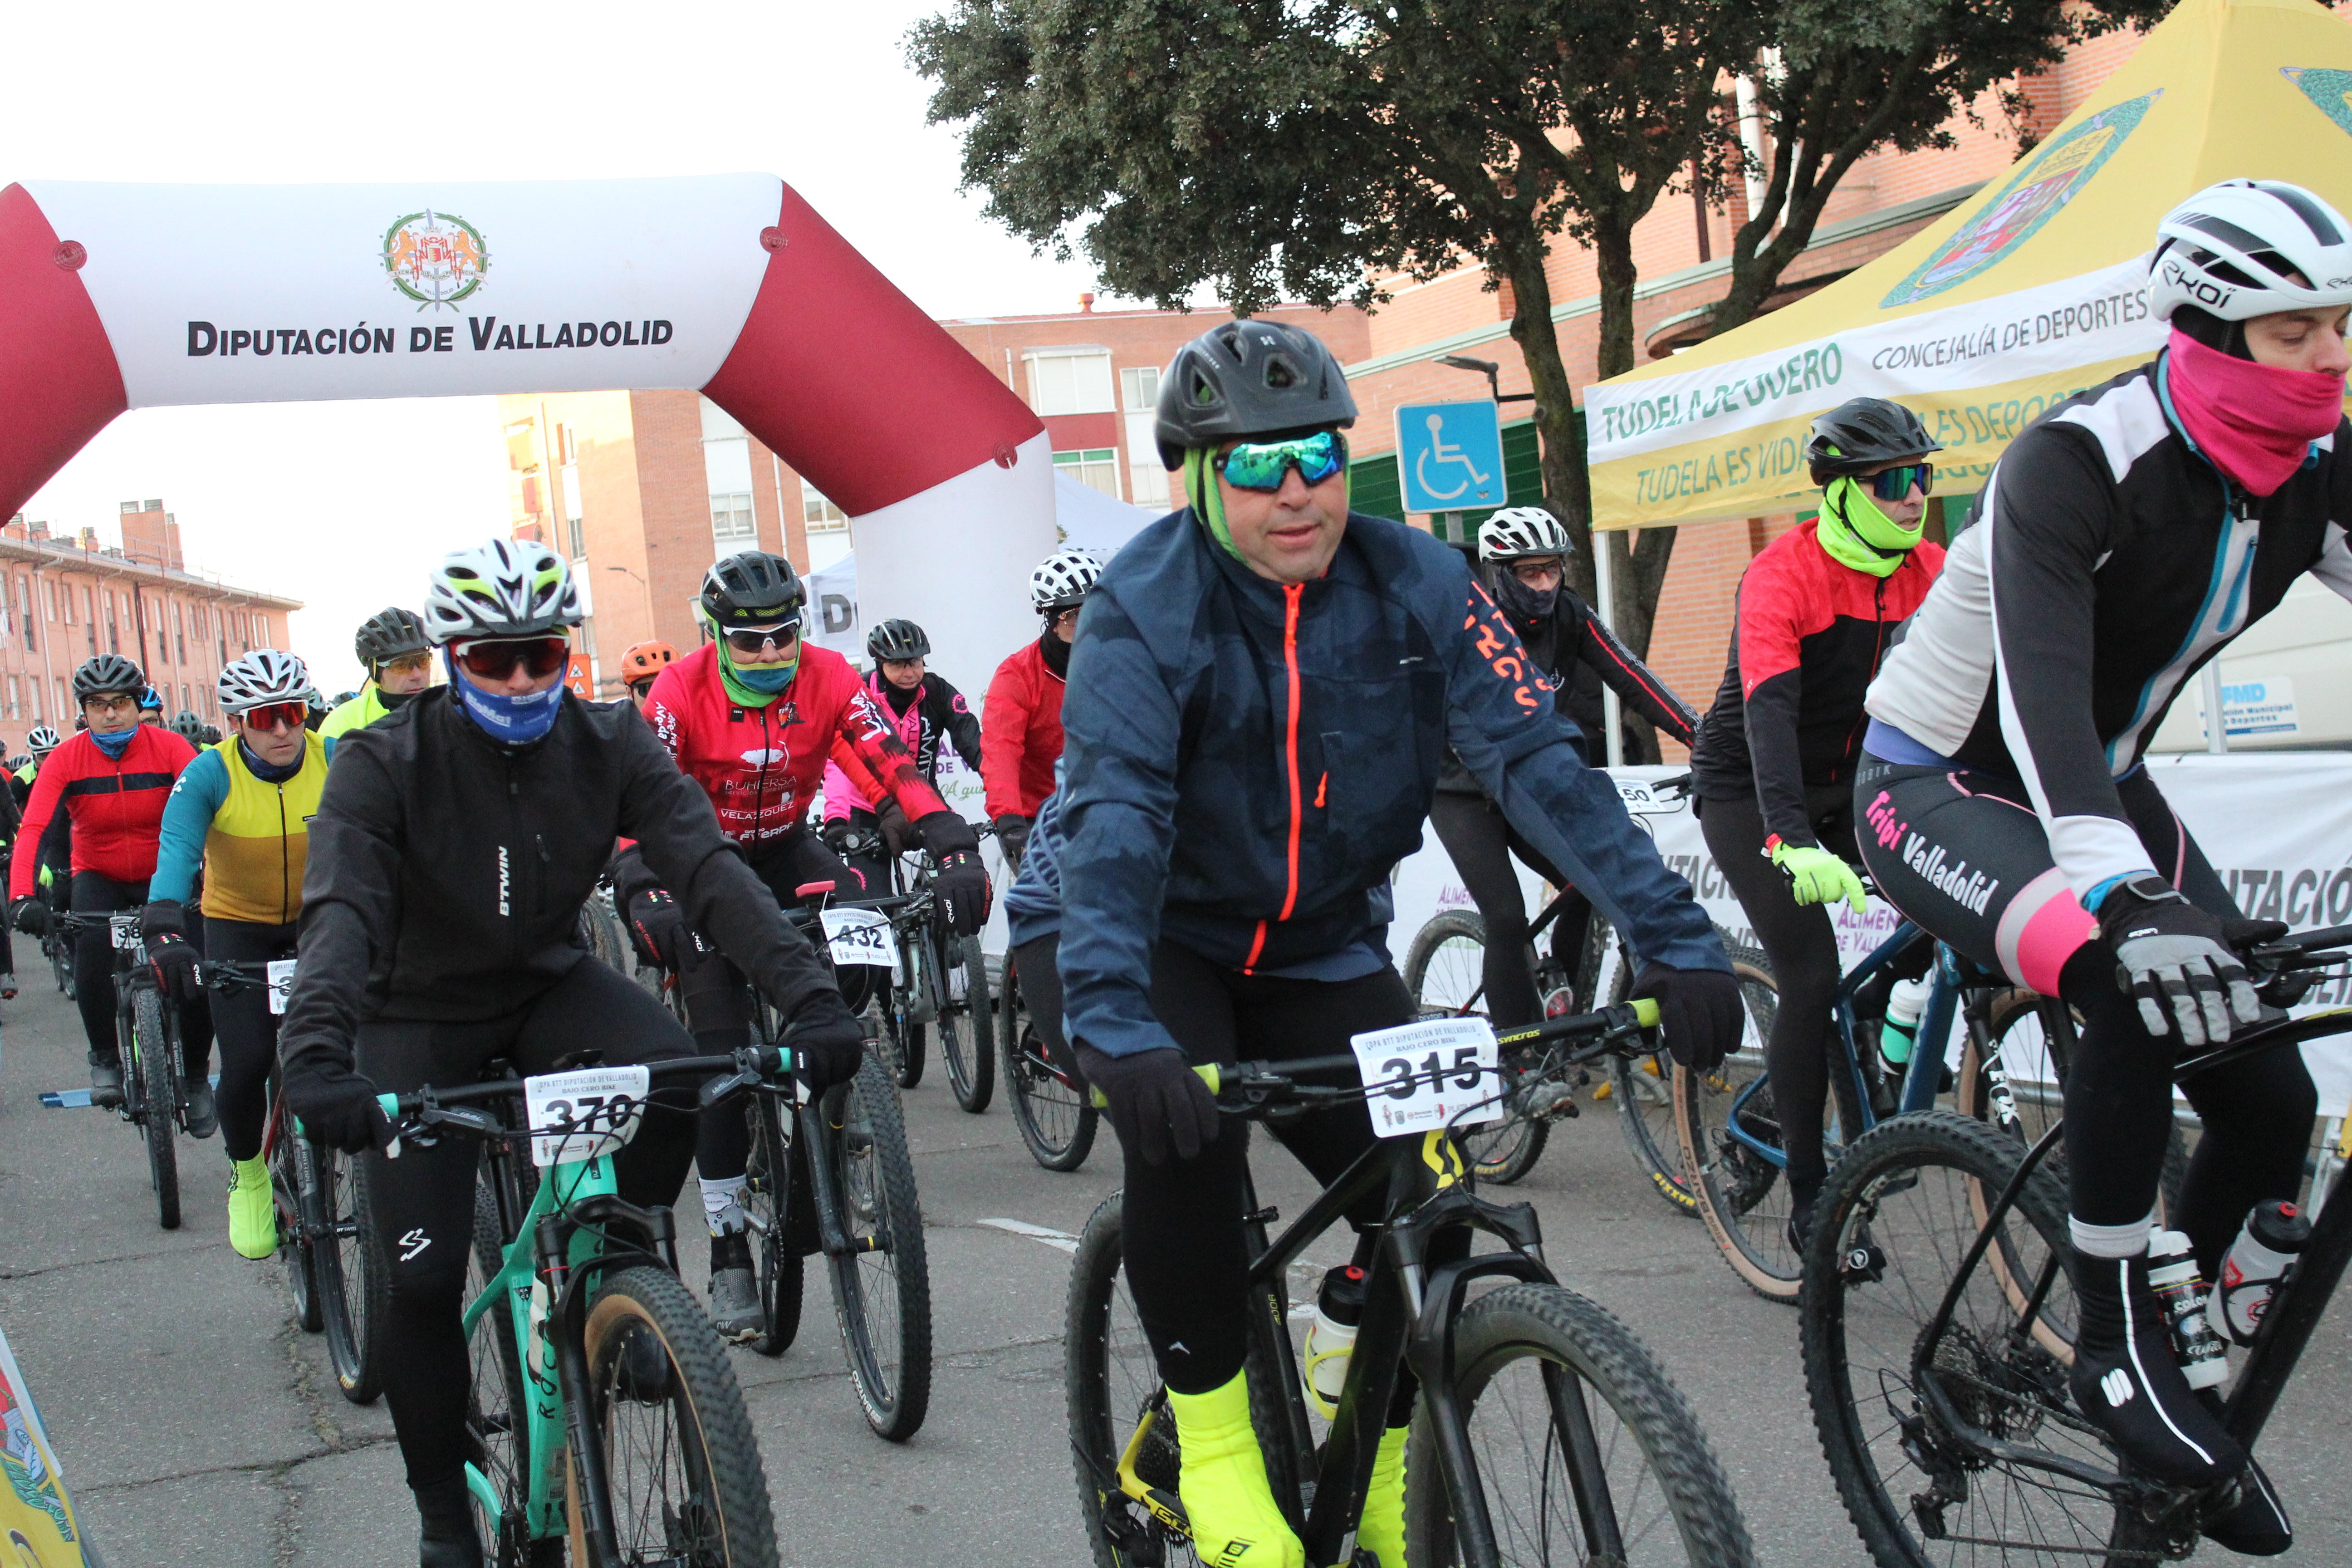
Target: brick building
642, 490
1884, 201
64, 600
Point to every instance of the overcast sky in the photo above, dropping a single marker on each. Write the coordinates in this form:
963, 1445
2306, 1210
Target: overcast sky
344, 505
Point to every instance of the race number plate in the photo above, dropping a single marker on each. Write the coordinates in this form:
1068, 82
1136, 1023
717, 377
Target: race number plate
584, 1114
1641, 800
126, 931
281, 982
861, 936
1440, 1072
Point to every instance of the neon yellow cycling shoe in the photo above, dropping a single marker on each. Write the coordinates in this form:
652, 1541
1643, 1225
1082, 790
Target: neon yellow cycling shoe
1381, 1531
1222, 1482
252, 1212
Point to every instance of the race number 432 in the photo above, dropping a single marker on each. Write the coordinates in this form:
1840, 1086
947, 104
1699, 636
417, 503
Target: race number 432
1440, 1072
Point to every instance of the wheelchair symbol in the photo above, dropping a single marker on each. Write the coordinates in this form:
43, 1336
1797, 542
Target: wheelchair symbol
1438, 451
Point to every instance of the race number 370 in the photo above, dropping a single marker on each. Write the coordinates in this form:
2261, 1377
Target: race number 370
1440, 1072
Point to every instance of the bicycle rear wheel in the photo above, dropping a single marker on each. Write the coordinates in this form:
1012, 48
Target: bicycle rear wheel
1446, 964
1739, 1192
902, 1038
289, 1157
353, 1282
882, 1288
681, 1465
1050, 1105
968, 1031
1641, 1089
1543, 1376
1895, 1217
159, 1100
768, 1190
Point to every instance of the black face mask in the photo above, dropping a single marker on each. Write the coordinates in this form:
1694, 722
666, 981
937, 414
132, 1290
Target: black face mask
1521, 601
393, 701
1058, 653
901, 698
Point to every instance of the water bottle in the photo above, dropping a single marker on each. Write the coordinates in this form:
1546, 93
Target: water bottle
1339, 1308
2273, 1234
1904, 1006
2172, 1272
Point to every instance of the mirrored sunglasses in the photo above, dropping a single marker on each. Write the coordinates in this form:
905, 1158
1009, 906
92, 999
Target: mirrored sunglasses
1260, 465
277, 716
543, 657
1895, 483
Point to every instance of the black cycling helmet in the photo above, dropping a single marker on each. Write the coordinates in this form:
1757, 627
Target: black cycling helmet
1865, 434
212, 735
188, 726
898, 639
388, 635
754, 589
1249, 378
109, 674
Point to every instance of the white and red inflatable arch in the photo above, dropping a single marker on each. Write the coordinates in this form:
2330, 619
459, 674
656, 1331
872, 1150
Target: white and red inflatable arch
124, 296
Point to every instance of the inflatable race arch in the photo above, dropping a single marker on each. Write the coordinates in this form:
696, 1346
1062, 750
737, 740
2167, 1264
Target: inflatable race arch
127, 296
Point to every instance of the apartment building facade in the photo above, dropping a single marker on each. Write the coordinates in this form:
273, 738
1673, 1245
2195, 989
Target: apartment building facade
64, 600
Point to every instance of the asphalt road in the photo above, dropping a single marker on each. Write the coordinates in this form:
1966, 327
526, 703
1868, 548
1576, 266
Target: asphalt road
197, 1424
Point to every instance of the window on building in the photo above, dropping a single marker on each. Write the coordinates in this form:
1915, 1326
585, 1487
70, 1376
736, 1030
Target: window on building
1138, 390
16, 699
1069, 380
33, 690
88, 615
24, 610
64, 707
818, 513
730, 523
1096, 468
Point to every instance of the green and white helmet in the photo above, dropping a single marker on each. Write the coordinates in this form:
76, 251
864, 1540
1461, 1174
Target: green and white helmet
505, 588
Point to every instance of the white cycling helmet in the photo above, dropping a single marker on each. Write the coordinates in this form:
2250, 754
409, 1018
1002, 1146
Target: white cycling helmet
42, 741
2233, 250
1518, 531
262, 677
1063, 578
505, 588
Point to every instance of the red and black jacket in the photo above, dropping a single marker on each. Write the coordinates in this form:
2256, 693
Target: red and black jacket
116, 804
1810, 633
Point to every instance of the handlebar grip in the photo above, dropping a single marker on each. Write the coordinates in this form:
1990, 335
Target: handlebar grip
1645, 1012
1208, 1075
391, 1104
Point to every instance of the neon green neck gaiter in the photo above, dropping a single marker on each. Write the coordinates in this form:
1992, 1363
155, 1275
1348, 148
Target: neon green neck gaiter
745, 696
1857, 534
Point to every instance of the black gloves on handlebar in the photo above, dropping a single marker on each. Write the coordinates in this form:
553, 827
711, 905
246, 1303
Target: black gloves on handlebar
826, 1043
1698, 1013
1012, 837
836, 834
898, 833
658, 928
164, 926
1155, 1101
29, 915
336, 1106
961, 885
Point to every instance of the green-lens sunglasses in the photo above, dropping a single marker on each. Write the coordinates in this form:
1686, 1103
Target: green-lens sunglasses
1260, 465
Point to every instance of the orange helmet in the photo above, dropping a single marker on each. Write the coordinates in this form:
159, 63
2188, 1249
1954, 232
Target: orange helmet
644, 662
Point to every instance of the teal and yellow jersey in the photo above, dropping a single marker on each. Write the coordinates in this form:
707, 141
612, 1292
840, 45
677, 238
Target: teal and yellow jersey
249, 836
358, 713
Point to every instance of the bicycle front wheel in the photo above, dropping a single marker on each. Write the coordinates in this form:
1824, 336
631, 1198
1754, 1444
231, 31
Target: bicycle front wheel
1050, 1105
882, 1286
289, 1159
498, 1428
159, 1100
967, 1032
1641, 1089
768, 1191
353, 1283
1898, 1213
1585, 1450
682, 1469
1724, 1123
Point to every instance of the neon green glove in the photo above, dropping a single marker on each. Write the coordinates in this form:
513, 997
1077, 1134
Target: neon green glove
1818, 877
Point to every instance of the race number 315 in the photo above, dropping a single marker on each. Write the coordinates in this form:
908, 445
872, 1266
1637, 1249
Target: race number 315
1440, 1072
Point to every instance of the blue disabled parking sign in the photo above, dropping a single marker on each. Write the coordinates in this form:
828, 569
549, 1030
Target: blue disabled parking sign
1449, 456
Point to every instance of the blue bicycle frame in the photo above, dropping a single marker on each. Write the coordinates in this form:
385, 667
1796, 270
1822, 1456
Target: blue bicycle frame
1920, 1079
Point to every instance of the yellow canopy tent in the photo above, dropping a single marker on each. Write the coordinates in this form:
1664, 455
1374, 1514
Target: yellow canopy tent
2031, 290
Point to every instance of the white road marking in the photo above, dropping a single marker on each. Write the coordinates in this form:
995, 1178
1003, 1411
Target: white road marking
1061, 1240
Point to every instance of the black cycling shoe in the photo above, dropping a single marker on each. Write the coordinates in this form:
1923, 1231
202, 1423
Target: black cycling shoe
446, 1539
2256, 1524
202, 1116
7, 985
735, 1312
2126, 1380
106, 1085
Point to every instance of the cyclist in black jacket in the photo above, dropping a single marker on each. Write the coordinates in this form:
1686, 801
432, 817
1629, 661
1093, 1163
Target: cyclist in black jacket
926, 711
1523, 555
454, 843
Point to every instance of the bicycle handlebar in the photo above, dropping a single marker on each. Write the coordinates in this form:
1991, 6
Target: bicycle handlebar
432, 1108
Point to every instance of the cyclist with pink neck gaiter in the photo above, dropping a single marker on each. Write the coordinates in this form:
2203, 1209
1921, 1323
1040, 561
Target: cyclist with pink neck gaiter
2123, 541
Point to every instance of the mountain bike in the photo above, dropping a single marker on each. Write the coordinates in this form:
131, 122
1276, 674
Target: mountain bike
1545, 1430
1938, 1324
1050, 1104
1446, 970
147, 1037
337, 1275
940, 980
603, 1414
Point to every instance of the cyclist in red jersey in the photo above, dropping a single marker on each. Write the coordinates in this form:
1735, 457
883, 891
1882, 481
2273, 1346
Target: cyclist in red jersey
752, 718
111, 780
1021, 725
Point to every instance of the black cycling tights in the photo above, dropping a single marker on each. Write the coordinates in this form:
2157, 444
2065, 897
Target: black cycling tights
1801, 946
1187, 1257
94, 976
423, 1203
1980, 838
248, 1031
1481, 842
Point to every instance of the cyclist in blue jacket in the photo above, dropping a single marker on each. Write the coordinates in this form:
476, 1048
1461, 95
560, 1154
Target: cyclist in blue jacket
1261, 697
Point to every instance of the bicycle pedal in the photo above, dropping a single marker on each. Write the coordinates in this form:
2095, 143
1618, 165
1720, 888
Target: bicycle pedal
1863, 1260
1549, 1100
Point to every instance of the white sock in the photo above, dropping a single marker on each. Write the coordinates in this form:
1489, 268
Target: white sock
722, 1204
2090, 1240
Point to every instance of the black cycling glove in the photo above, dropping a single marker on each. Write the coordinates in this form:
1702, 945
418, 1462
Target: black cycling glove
30, 915
1155, 1101
836, 834
898, 833
826, 1043
658, 928
1698, 1013
164, 925
1012, 837
336, 1106
961, 885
